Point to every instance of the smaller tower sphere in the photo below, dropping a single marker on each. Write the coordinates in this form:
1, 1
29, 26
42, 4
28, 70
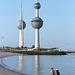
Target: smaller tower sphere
19, 25
37, 23
37, 6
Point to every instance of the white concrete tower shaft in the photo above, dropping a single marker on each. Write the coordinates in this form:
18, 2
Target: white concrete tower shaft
37, 40
36, 1
37, 10
21, 31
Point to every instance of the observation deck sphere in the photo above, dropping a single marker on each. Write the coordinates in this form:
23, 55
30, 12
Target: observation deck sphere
37, 23
37, 6
19, 25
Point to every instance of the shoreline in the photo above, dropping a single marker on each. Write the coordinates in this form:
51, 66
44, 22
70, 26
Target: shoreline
39, 52
5, 71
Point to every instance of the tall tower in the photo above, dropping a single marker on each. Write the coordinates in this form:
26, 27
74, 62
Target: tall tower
21, 25
37, 23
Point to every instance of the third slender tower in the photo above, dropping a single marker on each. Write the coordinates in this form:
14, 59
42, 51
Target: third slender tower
37, 23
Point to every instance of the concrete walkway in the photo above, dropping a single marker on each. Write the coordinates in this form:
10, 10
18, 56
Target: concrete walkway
4, 71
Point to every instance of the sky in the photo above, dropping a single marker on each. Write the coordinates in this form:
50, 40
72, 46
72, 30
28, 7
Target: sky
58, 28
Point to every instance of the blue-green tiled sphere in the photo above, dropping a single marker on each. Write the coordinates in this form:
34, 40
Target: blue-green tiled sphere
37, 23
37, 6
19, 25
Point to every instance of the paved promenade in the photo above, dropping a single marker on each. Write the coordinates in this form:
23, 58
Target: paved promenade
4, 71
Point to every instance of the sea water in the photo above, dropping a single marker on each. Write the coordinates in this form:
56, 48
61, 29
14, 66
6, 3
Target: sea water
41, 64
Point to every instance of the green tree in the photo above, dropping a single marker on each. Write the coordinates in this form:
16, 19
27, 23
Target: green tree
33, 46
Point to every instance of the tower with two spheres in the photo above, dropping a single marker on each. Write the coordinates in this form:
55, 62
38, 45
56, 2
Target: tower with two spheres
37, 23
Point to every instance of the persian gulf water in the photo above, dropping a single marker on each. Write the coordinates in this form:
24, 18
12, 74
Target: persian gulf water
40, 64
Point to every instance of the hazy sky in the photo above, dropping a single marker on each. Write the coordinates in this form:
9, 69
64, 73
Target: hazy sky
58, 29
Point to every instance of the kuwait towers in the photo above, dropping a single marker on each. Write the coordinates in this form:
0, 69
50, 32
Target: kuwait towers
37, 23
21, 25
